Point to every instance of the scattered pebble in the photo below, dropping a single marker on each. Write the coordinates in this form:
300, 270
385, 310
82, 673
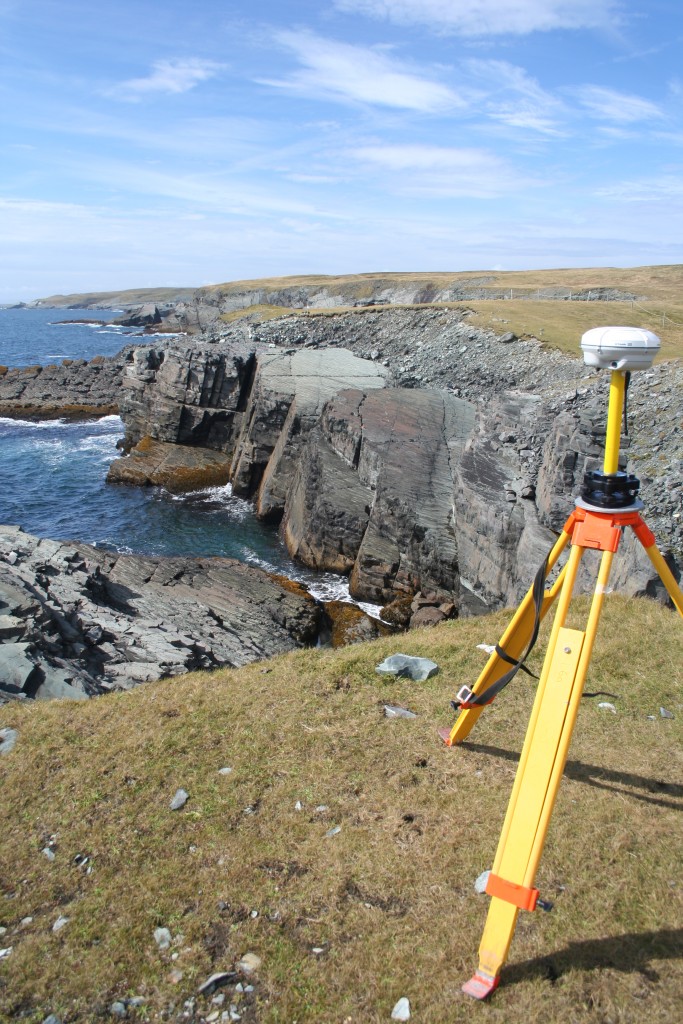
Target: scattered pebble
175, 977
666, 714
480, 884
179, 800
298, 806
318, 950
59, 924
402, 1010
162, 937
26, 921
2, 930
219, 999
486, 648
224, 771
333, 831
606, 706
50, 854
52, 1019
249, 963
393, 711
4, 953
118, 1009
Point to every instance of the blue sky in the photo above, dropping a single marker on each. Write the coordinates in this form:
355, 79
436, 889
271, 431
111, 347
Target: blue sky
172, 143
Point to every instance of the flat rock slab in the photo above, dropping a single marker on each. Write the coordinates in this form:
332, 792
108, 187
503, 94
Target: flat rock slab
178, 468
406, 666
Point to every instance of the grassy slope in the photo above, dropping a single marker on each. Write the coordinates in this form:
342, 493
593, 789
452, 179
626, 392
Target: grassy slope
390, 898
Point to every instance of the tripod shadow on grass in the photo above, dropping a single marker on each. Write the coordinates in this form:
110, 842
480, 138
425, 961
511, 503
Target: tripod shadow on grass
628, 953
652, 791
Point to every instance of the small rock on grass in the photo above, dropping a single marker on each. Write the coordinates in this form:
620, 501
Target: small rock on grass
480, 884
606, 706
666, 714
393, 711
162, 937
402, 1010
217, 981
8, 738
4, 953
60, 923
405, 665
52, 1019
249, 963
179, 800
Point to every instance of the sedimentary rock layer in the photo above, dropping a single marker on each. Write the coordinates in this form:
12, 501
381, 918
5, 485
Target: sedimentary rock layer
76, 621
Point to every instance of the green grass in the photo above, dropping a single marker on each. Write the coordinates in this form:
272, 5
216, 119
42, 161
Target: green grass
389, 900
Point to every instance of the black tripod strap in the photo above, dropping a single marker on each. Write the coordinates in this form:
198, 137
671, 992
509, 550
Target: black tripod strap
538, 590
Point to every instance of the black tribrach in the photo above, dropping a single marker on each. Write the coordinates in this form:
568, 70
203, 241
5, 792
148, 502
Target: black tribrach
610, 490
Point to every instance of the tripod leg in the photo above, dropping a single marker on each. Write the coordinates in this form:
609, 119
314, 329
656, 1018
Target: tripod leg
513, 642
538, 779
666, 576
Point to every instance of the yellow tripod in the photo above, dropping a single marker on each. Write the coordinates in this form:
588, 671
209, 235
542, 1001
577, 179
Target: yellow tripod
609, 505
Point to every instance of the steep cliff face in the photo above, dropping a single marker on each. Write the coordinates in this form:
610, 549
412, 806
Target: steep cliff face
186, 394
374, 485
453, 482
289, 393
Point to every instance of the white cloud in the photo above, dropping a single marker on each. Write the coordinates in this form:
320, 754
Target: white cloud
516, 99
619, 107
443, 170
490, 17
168, 77
360, 74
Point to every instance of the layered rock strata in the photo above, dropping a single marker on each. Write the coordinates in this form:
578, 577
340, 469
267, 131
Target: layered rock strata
74, 389
76, 621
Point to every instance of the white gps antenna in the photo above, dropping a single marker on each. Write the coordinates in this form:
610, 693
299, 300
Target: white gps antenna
619, 348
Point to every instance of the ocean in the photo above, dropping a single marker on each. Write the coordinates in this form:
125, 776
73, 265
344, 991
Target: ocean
52, 474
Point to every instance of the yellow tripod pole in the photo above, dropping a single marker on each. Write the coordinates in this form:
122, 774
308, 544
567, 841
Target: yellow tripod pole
555, 710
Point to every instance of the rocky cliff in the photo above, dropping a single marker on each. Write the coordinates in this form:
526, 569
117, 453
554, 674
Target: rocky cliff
76, 621
441, 461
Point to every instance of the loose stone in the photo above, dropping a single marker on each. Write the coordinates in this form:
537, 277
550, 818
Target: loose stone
402, 1010
249, 963
162, 937
393, 711
404, 665
179, 800
60, 923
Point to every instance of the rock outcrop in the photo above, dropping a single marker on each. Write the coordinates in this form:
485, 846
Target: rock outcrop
373, 492
76, 621
74, 389
177, 468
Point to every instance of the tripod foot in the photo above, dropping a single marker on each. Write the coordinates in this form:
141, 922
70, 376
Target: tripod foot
480, 985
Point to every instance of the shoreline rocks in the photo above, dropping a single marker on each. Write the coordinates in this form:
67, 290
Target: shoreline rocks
81, 621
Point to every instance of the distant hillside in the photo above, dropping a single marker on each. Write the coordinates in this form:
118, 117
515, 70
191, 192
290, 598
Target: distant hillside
116, 300
661, 283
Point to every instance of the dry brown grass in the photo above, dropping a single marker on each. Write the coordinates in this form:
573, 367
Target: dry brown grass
389, 899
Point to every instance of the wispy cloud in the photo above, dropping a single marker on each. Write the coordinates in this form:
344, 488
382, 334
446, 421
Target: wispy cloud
516, 99
358, 74
618, 107
443, 170
168, 77
663, 188
490, 17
